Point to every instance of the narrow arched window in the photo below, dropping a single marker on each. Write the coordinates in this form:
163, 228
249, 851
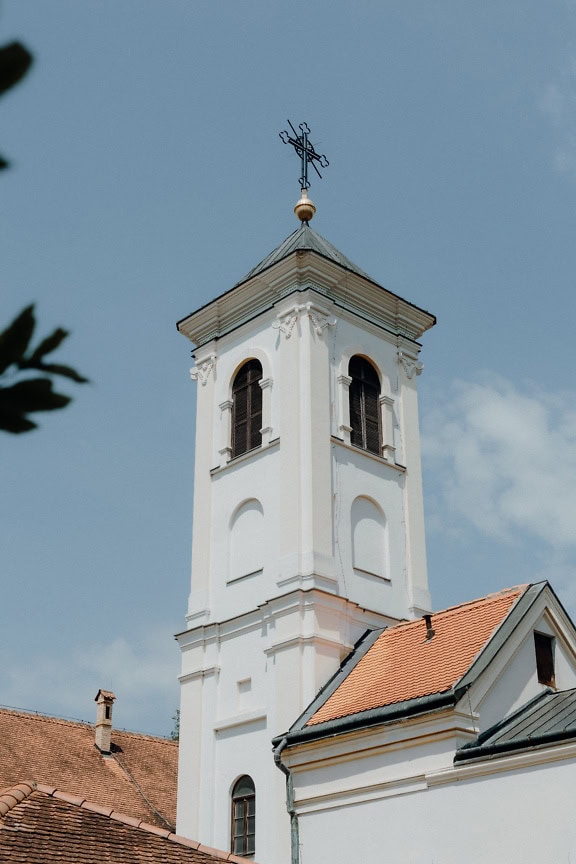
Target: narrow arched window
364, 405
243, 833
247, 408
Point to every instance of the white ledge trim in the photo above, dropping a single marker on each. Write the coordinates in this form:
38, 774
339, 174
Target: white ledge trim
199, 673
240, 720
374, 456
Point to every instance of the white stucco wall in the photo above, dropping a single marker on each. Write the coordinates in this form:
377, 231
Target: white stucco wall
524, 816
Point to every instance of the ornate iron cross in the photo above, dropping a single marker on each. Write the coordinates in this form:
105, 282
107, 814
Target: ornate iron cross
305, 149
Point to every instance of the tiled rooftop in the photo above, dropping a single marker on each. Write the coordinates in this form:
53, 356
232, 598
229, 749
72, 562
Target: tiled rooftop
40, 825
139, 777
404, 664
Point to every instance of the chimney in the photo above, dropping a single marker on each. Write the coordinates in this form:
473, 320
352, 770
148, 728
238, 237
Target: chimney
104, 701
429, 629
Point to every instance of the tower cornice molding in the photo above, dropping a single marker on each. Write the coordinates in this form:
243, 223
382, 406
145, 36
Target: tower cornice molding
299, 271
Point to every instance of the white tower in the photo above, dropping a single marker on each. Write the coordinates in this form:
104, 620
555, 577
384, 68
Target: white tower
308, 518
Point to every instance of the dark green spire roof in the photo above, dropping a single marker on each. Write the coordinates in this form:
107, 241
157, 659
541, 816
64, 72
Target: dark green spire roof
304, 238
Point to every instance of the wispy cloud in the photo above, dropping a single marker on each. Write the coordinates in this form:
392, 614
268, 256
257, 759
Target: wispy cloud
140, 670
558, 104
505, 461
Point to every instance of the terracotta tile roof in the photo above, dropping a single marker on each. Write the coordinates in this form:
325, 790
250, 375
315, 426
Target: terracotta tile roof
40, 825
403, 664
139, 777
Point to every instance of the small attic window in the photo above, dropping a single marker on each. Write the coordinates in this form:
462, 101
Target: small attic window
544, 648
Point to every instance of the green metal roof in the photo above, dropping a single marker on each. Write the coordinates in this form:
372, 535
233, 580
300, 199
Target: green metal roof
304, 239
547, 719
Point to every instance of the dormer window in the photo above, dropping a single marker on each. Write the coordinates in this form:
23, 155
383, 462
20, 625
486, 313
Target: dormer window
364, 405
544, 648
247, 408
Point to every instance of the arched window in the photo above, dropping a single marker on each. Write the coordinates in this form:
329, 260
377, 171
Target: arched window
364, 405
243, 833
247, 408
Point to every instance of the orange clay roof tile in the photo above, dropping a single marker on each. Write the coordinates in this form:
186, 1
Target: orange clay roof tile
39, 825
139, 777
404, 664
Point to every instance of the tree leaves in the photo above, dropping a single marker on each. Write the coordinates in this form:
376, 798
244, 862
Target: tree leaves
30, 394
15, 60
15, 339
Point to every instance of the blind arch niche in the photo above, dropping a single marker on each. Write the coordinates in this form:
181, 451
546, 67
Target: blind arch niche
246, 540
369, 538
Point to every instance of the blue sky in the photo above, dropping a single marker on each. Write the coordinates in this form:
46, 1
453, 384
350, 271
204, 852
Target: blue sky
148, 177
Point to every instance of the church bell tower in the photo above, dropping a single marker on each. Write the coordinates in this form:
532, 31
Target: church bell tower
308, 517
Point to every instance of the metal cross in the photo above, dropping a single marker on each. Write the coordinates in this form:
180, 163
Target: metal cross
305, 150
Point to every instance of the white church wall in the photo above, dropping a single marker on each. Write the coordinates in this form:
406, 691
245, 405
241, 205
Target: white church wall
523, 815
357, 478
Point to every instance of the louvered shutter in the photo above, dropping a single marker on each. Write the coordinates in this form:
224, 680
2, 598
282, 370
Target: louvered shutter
356, 413
364, 393
371, 419
247, 408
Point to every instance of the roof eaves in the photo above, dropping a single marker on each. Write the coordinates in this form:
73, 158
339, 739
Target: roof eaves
372, 717
509, 623
130, 821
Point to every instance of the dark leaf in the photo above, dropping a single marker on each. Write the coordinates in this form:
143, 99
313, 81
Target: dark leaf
49, 344
15, 423
59, 369
15, 60
3, 163
15, 339
36, 394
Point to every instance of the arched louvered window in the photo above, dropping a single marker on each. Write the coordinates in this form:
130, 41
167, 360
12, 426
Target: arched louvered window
247, 408
364, 405
243, 833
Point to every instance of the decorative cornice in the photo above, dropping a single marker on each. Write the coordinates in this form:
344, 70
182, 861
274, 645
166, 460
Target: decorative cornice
202, 371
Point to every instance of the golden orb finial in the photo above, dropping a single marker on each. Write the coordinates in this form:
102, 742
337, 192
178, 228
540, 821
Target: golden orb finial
304, 208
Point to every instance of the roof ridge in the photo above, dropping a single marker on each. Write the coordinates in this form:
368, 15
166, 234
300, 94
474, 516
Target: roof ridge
65, 721
148, 736
38, 715
494, 595
131, 821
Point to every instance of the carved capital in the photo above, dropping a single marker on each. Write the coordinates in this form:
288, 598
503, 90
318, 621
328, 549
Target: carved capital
411, 365
319, 319
286, 322
202, 371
